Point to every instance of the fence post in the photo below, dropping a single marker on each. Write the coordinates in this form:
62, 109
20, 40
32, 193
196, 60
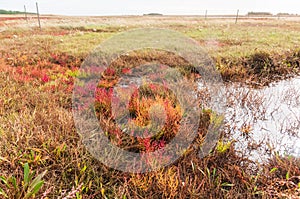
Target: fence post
25, 12
205, 14
237, 16
38, 15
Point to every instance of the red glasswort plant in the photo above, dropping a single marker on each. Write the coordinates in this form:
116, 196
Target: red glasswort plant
147, 105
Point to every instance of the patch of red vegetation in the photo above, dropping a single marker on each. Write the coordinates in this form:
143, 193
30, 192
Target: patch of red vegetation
10, 18
54, 77
20, 18
59, 33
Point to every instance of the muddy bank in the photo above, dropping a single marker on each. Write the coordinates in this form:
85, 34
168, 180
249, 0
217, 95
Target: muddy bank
259, 69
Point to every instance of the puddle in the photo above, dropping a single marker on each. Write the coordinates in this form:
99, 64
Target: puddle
268, 118
261, 121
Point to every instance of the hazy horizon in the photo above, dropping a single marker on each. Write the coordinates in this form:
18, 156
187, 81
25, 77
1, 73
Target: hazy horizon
138, 7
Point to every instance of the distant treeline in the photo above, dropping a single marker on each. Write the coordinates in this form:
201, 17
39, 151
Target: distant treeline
9, 12
259, 13
286, 14
269, 14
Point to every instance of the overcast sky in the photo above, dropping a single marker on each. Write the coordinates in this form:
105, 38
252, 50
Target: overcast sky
138, 7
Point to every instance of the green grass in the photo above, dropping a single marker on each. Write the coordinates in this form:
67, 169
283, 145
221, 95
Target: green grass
220, 39
80, 44
242, 40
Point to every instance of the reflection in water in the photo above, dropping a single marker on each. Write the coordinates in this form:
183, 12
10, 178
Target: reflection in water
267, 118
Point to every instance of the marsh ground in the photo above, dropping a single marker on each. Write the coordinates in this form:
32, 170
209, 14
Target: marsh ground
38, 68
